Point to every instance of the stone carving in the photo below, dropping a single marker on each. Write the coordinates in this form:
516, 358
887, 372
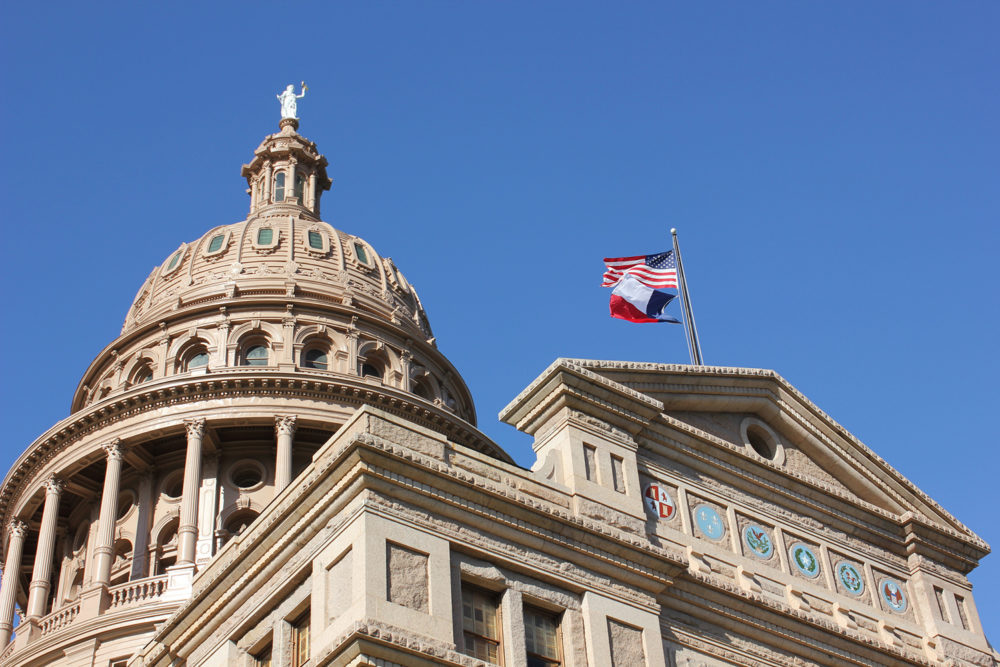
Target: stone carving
284, 424
195, 427
54, 485
289, 100
18, 528
113, 450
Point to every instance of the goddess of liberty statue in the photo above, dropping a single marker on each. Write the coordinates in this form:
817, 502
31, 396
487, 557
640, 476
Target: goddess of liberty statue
289, 106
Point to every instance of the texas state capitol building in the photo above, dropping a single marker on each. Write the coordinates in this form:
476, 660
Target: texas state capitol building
275, 465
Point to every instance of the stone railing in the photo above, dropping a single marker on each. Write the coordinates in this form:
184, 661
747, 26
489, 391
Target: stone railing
7, 652
59, 618
136, 592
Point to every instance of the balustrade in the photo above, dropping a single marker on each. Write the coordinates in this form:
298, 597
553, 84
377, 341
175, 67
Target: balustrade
135, 592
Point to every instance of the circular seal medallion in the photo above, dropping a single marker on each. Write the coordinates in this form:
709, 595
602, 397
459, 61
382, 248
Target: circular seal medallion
804, 560
892, 593
758, 541
659, 502
709, 522
850, 578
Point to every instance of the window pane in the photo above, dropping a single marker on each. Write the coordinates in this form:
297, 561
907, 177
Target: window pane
279, 187
541, 637
359, 251
315, 240
216, 242
200, 359
174, 260
480, 624
315, 358
265, 235
256, 356
299, 183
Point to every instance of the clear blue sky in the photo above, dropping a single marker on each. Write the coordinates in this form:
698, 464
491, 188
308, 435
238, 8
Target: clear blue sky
832, 169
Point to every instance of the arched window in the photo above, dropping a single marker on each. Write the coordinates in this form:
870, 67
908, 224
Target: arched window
255, 355
236, 524
369, 369
315, 357
166, 546
422, 389
194, 357
142, 373
300, 183
279, 186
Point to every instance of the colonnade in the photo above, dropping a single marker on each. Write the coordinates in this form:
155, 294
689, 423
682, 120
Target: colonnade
103, 552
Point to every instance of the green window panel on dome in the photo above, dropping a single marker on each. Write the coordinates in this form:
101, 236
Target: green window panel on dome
174, 260
265, 235
216, 242
359, 251
315, 240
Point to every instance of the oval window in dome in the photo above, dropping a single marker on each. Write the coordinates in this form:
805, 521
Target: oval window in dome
359, 252
316, 240
216, 243
265, 235
174, 260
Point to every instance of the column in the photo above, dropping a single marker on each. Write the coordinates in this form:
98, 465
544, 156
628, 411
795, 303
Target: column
311, 193
284, 428
147, 500
104, 551
187, 532
268, 177
8, 588
38, 590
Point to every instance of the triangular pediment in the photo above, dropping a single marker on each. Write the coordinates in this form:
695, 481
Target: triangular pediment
718, 406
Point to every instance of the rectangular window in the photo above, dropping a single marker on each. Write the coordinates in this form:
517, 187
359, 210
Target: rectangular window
590, 462
618, 473
480, 624
963, 613
942, 605
315, 241
216, 243
360, 253
300, 639
265, 235
262, 658
541, 638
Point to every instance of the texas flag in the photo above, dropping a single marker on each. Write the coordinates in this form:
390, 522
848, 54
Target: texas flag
633, 301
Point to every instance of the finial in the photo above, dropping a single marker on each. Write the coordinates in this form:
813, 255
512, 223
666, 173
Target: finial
288, 99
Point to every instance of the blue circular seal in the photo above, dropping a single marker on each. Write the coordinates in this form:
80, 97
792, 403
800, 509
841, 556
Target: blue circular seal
850, 578
709, 522
892, 593
804, 560
758, 541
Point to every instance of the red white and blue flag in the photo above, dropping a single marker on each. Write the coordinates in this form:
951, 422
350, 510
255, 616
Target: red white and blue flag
633, 301
658, 271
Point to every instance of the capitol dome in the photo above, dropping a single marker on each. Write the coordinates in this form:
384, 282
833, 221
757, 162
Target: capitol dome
242, 354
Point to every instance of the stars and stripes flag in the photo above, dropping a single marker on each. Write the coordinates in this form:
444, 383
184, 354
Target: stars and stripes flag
658, 271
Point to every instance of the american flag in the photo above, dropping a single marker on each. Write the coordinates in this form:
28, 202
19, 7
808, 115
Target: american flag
656, 271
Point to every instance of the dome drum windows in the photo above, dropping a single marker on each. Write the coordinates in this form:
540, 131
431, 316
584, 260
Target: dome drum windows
218, 244
143, 372
247, 475
254, 354
316, 242
300, 186
279, 186
265, 239
174, 261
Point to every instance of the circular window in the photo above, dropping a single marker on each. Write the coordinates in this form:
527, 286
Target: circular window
247, 475
173, 486
764, 442
126, 499
759, 443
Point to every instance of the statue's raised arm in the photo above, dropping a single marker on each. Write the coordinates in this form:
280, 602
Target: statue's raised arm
288, 99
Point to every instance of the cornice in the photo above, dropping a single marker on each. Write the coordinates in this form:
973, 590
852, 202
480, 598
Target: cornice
234, 382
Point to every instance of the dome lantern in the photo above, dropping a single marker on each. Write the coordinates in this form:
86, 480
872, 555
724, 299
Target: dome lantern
286, 172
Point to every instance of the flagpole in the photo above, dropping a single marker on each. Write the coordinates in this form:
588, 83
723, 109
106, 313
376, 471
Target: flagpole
694, 347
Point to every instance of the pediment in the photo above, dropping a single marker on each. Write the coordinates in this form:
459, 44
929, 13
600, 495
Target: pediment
715, 405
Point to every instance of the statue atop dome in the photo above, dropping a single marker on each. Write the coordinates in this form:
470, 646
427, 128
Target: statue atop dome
289, 105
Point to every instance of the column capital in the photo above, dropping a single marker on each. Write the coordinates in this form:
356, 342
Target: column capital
17, 528
54, 485
113, 449
195, 427
284, 424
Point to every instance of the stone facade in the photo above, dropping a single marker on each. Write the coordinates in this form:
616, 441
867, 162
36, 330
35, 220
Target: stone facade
274, 464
